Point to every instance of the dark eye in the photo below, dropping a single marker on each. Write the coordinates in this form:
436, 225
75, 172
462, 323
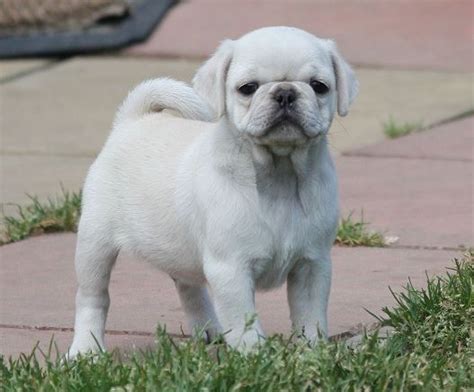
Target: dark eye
249, 88
319, 87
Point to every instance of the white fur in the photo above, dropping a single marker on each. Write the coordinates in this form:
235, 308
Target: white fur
159, 94
237, 205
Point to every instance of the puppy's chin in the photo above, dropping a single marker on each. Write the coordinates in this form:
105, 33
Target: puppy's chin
282, 138
281, 150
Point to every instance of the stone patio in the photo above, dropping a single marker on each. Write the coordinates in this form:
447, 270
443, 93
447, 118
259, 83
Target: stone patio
414, 62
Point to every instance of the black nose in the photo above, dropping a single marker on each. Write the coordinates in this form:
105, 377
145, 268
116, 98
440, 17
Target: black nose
285, 97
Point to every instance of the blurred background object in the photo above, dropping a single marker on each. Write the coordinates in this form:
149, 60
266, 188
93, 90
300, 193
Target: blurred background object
21, 17
62, 27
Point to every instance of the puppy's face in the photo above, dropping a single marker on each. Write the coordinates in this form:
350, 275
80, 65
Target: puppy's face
278, 86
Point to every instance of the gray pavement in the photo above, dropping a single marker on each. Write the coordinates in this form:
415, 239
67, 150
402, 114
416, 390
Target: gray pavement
17, 68
38, 175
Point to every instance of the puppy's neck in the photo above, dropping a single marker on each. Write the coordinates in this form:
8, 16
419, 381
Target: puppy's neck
249, 162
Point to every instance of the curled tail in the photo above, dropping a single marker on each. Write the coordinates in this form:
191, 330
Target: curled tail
158, 94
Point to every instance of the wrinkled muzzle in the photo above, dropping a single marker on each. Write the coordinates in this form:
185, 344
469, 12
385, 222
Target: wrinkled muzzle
285, 114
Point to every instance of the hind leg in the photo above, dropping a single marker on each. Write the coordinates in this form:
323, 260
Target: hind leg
95, 257
199, 310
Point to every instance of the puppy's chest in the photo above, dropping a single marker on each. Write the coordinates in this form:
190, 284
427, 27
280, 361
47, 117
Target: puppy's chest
287, 232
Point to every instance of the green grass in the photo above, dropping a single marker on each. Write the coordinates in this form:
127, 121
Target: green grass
393, 129
62, 214
439, 319
56, 215
430, 350
356, 233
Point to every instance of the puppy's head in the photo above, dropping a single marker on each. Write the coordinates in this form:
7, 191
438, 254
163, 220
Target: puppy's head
279, 86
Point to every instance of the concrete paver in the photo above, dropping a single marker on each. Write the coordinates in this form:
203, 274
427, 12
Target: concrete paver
70, 109
14, 341
39, 175
424, 202
453, 141
410, 34
13, 68
37, 290
406, 96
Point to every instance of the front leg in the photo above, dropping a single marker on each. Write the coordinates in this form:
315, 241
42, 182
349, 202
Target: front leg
199, 310
308, 286
233, 292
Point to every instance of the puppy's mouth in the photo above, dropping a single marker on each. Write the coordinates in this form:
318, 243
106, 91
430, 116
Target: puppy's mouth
285, 129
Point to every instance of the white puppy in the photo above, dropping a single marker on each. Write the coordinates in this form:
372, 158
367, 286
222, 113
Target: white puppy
244, 203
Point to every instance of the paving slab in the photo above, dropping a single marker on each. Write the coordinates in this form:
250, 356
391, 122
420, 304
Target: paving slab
409, 34
13, 68
17, 341
38, 175
424, 202
453, 141
37, 287
72, 120
422, 97
75, 116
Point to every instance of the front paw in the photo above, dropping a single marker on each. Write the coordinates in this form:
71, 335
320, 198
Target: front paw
84, 346
312, 335
244, 341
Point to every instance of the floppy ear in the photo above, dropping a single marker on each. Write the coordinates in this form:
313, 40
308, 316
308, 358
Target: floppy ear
347, 85
209, 81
